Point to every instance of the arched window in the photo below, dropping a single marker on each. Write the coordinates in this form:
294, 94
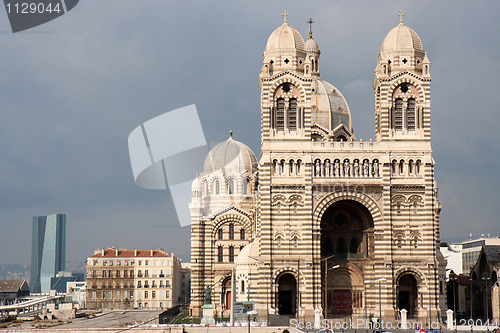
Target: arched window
205, 187
398, 115
290, 164
401, 167
394, 167
246, 181
220, 254
410, 115
220, 233
230, 186
410, 167
280, 114
282, 167
292, 115
231, 254
231, 231
354, 245
216, 186
298, 167
417, 167
341, 245
242, 289
242, 234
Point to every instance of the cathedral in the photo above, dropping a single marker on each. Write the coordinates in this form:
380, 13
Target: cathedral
324, 223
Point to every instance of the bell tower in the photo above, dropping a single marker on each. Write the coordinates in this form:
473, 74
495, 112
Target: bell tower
402, 87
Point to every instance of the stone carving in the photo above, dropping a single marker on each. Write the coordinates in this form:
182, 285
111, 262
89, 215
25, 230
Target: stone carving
356, 168
347, 168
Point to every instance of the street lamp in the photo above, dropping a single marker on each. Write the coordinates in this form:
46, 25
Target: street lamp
485, 278
380, 298
250, 313
366, 307
326, 281
453, 277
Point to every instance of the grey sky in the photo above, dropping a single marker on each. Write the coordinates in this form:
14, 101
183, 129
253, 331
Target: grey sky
73, 89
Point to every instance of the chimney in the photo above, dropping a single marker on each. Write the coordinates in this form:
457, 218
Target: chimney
151, 252
102, 252
116, 252
135, 253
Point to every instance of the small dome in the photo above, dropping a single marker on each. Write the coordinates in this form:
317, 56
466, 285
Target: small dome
401, 38
311, 45
332, 109
196, 185
285, 37
248, 254
230, 155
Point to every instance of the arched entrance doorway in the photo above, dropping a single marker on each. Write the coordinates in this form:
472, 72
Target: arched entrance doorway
407, 294
346, 235
287, 295
226, 293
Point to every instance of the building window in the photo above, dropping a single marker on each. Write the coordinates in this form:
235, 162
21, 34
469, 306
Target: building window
146, 284
153, 294
139, 273
242, 289
103, 294
410, 115
161, 305
280, 114
125, 273
167, 294
146, 294
103, 274
398, 114
292, 115
153, 285
146, 273
231, 254
245, 185
216, 186
231, 231
161, 283
220, 233
94, 274
140, 262
131, 294
242, 234
139, 284
145, 262
117, 274
220, 254
230, 186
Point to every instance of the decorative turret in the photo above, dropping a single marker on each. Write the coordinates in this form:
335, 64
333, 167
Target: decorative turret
402, 87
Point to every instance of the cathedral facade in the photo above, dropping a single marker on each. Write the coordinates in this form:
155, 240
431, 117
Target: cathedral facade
323, 222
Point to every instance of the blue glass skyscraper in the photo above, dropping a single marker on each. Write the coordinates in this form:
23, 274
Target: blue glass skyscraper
48, 250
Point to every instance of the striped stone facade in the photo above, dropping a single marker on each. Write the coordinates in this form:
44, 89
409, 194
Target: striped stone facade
346, 227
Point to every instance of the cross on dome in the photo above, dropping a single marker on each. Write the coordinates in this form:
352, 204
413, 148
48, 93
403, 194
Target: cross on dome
285, 14
310, 27
401, 14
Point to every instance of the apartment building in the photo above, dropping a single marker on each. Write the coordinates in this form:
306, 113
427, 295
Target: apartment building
132, 279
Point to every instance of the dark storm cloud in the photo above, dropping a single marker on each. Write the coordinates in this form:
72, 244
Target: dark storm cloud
71, 96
